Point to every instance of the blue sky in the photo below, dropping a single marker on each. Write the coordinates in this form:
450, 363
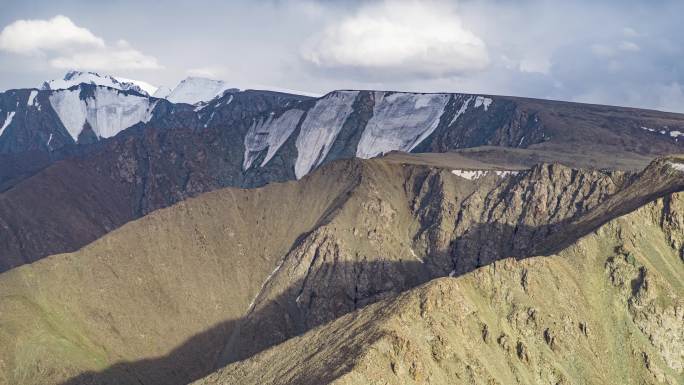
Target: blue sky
623, 52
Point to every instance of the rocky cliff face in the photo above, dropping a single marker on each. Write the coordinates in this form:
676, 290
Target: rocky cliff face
340, 124
510, 213
607, 309
387, 236
108, 183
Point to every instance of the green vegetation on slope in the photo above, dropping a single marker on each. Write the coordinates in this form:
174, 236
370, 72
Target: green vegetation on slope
606, 310
169, 298
180, 275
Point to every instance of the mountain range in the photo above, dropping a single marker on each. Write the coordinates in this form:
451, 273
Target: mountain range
159, 153
206, 233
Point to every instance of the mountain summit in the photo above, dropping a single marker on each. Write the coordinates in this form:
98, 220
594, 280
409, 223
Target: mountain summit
194, 90
73, 78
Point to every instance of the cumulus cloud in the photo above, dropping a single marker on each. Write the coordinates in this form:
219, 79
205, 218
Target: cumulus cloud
121, 56
407, 38
38, 36
66, 45
614, 51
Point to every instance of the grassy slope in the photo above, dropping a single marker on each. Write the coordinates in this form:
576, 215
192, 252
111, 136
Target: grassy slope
151, 285
605, 310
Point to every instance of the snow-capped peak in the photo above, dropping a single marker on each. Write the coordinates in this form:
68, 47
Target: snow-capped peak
193, 90
73, 78
145, 86
162, 92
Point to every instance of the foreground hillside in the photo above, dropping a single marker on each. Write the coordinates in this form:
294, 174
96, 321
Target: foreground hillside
213, 280
608, 309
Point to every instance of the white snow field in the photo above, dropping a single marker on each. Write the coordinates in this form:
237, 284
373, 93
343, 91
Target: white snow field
73, 78
193, 90
108, 112
8, 120
269, 133
400, 122
477, 174
320, 128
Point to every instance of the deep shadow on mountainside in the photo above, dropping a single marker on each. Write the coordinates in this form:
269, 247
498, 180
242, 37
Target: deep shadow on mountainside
200, 355
197, 286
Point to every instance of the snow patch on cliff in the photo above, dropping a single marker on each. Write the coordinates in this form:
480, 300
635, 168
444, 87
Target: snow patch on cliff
162, 92
70, 109
194, 90
8, 120
400, 122
461, 110
111, 112
108, 111
673, 133
470, 174
320, 128
483, 101
269, 133
31, 98
145, 86
477, 174
73, 78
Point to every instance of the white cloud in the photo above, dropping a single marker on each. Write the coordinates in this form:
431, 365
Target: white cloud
38, 36
66, 46
121, 56
407, 38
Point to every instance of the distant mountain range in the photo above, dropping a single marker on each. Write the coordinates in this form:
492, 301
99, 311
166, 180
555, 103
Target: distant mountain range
75, 78
190, 91
100, 106
160, 152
